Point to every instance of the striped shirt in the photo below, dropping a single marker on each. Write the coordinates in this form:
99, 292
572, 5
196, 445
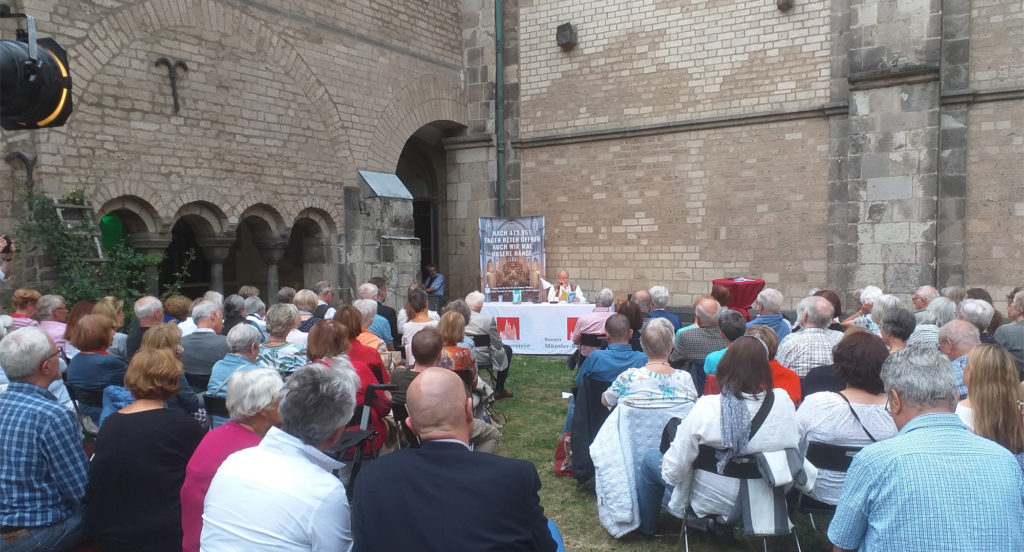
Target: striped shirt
43, 469
934, 486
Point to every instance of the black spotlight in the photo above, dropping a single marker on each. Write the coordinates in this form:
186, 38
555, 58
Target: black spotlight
35, 83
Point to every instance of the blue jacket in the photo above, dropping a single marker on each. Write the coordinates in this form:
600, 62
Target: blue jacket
773, 321
606, 365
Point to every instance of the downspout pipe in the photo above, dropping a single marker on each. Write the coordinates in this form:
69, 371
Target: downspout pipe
499, 101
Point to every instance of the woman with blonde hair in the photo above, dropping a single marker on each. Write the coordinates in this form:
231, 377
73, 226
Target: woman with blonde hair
113, 309
24, 301
305, 300
993, 407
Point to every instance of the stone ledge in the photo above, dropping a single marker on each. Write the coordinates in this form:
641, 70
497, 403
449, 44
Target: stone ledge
824, 110
875, 79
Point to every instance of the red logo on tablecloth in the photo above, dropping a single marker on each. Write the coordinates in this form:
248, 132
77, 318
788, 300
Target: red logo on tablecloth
570, 325
508, 328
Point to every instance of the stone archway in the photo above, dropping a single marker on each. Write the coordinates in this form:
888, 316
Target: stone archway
308, 257
203, 228
143, 229
259, 247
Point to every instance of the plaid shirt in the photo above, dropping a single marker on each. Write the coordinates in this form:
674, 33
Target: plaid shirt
806, 349
43, 469
695, 344
958, 370
934, 486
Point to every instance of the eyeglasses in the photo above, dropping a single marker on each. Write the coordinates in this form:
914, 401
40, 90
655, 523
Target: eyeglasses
49, 356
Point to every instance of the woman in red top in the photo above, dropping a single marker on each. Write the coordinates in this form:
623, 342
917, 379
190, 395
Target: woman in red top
452, 328
328, 345
352, 320
783, 377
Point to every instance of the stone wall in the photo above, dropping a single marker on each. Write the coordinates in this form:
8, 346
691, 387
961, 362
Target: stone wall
281, 104
681, 209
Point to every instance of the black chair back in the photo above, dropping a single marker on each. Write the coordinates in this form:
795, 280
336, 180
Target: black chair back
593, 340
216, 406
831, 457
88, 397
482, 340
587, 417
198, 382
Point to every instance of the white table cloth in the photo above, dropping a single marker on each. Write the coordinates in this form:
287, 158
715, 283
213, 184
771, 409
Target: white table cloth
537, 328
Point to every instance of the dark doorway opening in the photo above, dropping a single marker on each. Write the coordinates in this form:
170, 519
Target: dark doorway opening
196, 280
423, 228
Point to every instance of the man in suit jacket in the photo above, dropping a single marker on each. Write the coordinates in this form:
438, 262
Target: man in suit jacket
500, 355
205, 346
457, 499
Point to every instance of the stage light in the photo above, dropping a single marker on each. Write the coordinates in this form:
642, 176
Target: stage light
35, 80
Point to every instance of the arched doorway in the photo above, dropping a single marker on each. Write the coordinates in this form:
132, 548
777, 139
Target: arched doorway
421, 167
199, 249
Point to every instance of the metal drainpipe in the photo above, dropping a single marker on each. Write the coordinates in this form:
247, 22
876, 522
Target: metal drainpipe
499, 101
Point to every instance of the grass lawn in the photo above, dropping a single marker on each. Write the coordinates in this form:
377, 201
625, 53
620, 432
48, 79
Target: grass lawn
534, 419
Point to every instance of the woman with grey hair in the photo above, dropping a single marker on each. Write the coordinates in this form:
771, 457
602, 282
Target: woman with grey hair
886, 306
243, 347
937, 314
292, 472
6, 327
252, 400
277, 351
655, 384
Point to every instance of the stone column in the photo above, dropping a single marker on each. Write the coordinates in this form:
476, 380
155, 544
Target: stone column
216, 250
149, 243
314, 261
271, 253
885, 155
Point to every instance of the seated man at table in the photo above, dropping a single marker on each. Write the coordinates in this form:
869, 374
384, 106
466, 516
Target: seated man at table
593, 323
566, 292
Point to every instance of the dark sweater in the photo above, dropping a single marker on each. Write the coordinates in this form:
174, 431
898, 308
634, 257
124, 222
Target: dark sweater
135, 479
202, 351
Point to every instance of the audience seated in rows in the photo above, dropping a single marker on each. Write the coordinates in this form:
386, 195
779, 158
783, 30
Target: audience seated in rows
93, 368
811, 346
25, 302
769, 312
632, 312
963, 490
497, 354
979, 313
351, 320
1011, 336
280, 494
731, 325
132, 501
593, 322
368, 311
277, 352
649, 381
782, 377
659, 300
896, 329
45, 470
693, 346
418, 318
389, 314
234, 312
854, 416
149, 312
956, 340
205, 345
306, 301
328, 346
379, 326
722, 422
462, 500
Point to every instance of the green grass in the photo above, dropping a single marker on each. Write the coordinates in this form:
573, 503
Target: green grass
534, 419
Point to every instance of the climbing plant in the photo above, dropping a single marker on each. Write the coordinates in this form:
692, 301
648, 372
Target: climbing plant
80, 274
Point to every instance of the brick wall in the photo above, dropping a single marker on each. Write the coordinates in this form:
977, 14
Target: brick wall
995, 208
997, 44
682, 209
652, 62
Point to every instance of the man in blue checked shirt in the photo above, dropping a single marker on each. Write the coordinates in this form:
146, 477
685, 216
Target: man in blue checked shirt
43, 469
935, 485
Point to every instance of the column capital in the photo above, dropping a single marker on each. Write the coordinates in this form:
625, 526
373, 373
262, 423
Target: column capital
148, 242
216, 248
271, 251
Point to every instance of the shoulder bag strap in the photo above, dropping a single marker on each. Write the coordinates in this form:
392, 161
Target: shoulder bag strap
762, 413
856, 417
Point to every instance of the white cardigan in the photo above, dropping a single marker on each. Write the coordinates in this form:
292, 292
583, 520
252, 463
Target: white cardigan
709, 493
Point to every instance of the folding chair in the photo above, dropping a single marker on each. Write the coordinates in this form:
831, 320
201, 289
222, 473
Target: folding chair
597, 341
482, 343
199, 383
88, 397
740, 467
369, 398
216, 406
824, 457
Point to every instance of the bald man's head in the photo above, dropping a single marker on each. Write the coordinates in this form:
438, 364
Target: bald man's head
439, 406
